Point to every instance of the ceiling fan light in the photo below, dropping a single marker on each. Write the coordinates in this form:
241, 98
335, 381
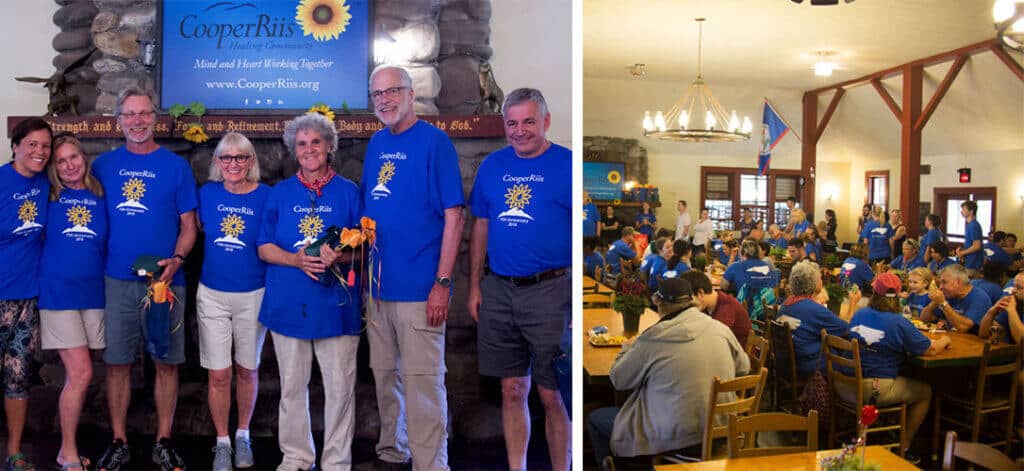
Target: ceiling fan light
648, 122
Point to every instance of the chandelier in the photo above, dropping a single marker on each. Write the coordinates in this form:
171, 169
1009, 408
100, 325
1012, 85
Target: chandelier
1008, 16
697, 102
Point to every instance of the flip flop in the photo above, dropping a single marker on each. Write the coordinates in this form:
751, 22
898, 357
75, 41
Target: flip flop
82, 464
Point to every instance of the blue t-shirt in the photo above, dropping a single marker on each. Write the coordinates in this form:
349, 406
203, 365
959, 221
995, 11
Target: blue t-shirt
973, 306
1008, 288
409, 180
801, 227
899, 264
646, 230
886, 338
814, 248
618, 251
146, 195
590, 220
723, 251
231, 259
754, 272
995, 254
992, 290
972, 233
22, 216
855, 271
781, 242
592, 262
917, 302
654, 265
936, 268
71, 270
528, 207
674, 272
878, 236
933, 235
293, 304
806, 318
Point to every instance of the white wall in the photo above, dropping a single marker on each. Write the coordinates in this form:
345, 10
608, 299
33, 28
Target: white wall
532, 41
29, 32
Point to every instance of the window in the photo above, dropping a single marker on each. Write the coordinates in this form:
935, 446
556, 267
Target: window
947, 205
876, 184
763, 195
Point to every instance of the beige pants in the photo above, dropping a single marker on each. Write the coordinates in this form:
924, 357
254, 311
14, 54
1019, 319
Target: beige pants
407, 357
337, 359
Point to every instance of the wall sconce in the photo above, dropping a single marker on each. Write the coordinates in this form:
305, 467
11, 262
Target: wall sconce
629, 185
831, 190
148, 52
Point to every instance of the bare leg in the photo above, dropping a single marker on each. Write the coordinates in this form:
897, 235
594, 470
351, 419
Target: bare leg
165, 395
219, 395
77, 376
16, 410
915, 415
119, 394
558, 429
246, 388
515, 412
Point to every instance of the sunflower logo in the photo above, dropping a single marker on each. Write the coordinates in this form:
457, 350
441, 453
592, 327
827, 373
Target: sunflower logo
323, 19
79, 215
518, 197
133, 189
232, 225
311, 225
387, 171
27, 212
614, 177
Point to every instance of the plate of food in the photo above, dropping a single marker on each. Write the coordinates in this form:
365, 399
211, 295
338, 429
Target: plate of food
606, 340
922, 325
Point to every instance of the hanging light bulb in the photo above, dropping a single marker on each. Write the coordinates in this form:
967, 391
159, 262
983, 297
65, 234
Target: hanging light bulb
709, 120
1002, 10
684, 119
734, 122
648, 123
659, 122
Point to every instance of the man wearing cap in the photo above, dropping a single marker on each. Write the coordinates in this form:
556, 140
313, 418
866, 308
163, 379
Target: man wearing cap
886, 339
956, 301
669, 367
522, 202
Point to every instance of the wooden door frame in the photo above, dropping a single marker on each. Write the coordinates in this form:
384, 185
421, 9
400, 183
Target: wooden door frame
942, 195
868, 175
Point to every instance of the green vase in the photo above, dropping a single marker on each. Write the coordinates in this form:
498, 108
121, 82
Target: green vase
630, 323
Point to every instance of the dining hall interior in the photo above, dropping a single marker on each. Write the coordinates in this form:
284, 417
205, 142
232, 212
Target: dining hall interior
863, 106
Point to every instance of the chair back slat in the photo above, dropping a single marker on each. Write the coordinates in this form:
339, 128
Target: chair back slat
782, 347
742, 432
757, 350
748, 388
976, 453
846, 353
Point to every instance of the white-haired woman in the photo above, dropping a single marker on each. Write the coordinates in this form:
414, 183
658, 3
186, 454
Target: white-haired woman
806, 317
231, 290
304, 315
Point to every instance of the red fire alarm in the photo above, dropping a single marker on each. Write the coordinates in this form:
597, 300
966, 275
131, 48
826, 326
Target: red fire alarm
965, 175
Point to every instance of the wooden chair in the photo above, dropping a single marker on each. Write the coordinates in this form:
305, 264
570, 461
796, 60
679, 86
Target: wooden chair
783, 362
748, 391
983, 402
846, 353
743, 433
757, 350
976, 453
597, 300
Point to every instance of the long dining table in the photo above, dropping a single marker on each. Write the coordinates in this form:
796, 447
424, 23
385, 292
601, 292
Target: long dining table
597, 361
966, 350
809, 461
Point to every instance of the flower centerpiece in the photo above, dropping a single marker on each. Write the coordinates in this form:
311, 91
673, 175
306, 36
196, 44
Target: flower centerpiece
630, 300
848, 459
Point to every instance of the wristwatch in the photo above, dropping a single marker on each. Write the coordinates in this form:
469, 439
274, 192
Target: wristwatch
444, 281
179, 257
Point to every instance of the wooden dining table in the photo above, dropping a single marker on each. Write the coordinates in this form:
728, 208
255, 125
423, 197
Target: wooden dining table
808, 461
597, 361
592, 285
966, 350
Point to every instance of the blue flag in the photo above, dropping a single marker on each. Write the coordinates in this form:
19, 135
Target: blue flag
773, 128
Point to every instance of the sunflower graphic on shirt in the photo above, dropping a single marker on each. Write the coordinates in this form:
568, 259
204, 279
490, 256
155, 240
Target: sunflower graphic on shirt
310, 226
79, 217
27, 214
231, 226
133, 190
517, 198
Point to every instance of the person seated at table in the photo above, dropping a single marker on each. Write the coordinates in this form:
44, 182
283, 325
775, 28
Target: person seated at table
669, 367
655, 264
956, 302
812, 244
594, 258
938, 257
855, 269
993, 249
776, 237
765, 249
679, 262
1006, 313
886, 338
795, 249
918, 281
719, 305
750, 269
909, 259
806, 317
991, 280
798, 219
663, 232
726, 248
877, 234
621, 249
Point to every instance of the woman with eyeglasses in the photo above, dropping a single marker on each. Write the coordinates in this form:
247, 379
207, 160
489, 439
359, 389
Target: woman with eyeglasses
230, 291
312, 302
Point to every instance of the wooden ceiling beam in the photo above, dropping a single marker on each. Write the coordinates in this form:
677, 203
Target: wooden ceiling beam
828, 113
940, 92
1001, 53
887, 98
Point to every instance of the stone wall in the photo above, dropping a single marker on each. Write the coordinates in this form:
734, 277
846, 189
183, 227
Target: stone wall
617, 149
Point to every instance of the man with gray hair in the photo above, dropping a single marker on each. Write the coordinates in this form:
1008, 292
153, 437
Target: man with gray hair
151, 205
413, 189
522, 202
956, 302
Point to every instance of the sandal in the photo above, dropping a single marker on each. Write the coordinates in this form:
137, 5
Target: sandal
82, 464
18, 462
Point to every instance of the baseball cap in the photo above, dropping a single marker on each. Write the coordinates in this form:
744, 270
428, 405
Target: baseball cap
673, 290
886, 284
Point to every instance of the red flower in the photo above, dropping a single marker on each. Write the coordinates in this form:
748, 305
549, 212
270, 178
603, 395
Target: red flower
868, 415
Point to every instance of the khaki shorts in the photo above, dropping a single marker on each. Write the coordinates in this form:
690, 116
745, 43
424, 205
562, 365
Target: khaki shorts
72, 328
225, 319
892, 391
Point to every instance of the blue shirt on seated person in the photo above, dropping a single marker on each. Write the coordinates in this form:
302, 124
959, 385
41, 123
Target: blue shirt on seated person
620, 249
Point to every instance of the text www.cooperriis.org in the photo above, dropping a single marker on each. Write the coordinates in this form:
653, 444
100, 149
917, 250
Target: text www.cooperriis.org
260, 85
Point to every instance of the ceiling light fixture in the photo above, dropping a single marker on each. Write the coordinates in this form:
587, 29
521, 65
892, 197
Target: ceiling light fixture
824, 66
637, 70
1008, 16
697, 102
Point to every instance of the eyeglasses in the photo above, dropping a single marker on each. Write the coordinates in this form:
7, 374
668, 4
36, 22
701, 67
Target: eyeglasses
239, 159
140, 114
388, 92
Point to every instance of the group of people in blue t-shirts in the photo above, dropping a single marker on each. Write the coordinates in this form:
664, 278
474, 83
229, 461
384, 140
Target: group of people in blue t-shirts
84, 241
